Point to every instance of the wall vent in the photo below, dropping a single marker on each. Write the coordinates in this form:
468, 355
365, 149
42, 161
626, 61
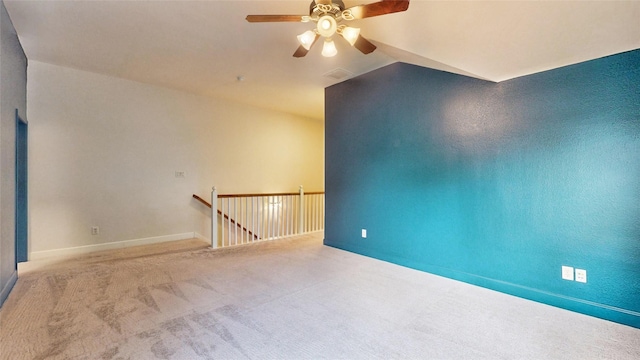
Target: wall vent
338, 74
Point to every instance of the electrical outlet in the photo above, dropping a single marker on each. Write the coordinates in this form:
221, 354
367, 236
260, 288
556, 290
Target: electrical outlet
581, 275
567, 273
95, 230
364, 233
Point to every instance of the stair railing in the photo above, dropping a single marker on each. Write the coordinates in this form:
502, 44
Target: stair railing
247, 218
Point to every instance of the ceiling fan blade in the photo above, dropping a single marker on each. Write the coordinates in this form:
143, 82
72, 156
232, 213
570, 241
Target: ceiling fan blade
274, 18
365, 46
301, 51
378, 8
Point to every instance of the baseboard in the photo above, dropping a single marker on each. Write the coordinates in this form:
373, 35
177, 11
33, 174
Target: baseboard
7, 288
591, 308
79, 250
201, 237
587, 307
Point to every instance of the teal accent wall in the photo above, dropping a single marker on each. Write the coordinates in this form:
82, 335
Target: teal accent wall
494, 184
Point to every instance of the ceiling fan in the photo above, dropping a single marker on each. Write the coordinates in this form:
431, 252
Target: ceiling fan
328, 14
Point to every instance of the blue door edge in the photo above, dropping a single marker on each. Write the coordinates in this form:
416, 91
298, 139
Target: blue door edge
21, 191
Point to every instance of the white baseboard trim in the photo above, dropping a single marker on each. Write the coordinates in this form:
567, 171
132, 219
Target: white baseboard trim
79, 250
4, 294
201, 237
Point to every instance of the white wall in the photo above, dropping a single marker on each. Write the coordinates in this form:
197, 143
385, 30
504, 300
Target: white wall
13, 82
104, 152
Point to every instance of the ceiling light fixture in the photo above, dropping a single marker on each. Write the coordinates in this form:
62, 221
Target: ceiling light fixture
307, 39
327, 26
329, 48
348, 33
328, 14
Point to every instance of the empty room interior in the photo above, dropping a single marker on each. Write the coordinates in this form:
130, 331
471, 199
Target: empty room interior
319, 179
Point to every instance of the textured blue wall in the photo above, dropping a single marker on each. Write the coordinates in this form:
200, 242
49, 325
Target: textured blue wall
497, 185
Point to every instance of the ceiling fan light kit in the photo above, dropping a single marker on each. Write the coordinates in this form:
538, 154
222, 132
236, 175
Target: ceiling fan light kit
307, 39
327, 26
327, 14
329, 48
348, 33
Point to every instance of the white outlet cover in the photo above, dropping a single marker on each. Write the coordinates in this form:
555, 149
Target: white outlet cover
581, 275
364, 233
567, 273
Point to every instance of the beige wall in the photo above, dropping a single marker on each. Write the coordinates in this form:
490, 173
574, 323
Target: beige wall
104, 152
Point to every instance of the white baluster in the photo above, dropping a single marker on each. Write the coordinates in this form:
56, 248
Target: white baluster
323, 214
222, 222
214, 217
262, 217
229, 216
253, 219
245, 223
301, 212
281, 216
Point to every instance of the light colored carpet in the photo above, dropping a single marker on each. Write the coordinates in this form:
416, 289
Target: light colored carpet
286, 299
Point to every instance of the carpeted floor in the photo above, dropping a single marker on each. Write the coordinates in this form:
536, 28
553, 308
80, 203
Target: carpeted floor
286, 299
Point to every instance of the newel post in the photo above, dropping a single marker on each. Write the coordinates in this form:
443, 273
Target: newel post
214, 217
301, 212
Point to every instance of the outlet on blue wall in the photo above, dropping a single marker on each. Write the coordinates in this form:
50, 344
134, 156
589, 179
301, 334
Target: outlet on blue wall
497, 185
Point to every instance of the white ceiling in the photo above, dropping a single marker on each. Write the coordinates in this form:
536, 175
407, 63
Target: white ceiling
203, 46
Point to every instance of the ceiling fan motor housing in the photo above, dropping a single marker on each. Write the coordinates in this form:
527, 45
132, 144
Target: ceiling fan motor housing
338, 4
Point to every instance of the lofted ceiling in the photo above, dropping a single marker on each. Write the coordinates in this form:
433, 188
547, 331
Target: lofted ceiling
208, 48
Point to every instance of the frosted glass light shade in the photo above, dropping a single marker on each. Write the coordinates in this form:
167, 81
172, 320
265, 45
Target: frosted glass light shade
327, 26
350, 34
329, 48
306, 39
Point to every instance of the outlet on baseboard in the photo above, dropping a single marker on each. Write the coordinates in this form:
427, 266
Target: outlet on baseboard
95, 230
